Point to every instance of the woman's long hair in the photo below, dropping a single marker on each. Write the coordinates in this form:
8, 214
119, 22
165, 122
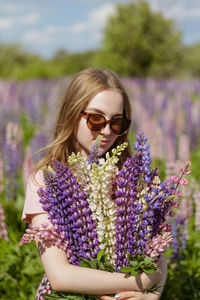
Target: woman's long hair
83, 88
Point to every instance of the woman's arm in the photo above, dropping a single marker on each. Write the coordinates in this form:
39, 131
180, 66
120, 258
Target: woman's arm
64, 276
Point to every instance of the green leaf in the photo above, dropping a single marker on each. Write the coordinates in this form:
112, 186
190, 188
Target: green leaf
69, 296
134, 263
110, 269
134, 272
171, 197
84, 265
148, 260
51, 296
104, 240
126, 269
141, 264
100, 266
100, 254
93, 264
148, 271
152, 289
130, 258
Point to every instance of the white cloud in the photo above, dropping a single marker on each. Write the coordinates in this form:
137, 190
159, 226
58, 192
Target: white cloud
72, 35
29, 19
182, 13
94, 23
100, 15
179, 10
78, 28
96, 36
16, 21
6, 23
13, 7
52, 29
36, 37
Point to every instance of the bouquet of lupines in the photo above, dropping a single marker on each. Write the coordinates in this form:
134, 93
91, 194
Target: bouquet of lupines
106, 218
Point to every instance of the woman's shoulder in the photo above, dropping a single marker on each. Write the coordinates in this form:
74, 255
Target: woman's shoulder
35, 180
32, 203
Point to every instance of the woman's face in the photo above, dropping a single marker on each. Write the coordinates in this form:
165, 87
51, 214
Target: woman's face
109, 104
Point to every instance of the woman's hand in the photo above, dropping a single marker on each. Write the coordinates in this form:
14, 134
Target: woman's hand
132, 295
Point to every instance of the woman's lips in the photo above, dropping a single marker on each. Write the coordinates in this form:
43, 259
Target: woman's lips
103, 143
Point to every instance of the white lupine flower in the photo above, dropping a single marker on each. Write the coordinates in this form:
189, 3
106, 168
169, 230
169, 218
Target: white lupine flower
96, 182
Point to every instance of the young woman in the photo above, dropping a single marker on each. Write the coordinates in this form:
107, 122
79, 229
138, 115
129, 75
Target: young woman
95, 104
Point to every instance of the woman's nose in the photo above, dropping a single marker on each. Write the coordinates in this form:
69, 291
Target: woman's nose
106, 130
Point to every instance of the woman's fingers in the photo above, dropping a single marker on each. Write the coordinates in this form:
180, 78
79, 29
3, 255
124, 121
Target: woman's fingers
106, 298
125, 295
132, 295
120, 296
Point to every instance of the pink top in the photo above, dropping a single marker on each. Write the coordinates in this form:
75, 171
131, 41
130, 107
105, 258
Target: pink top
32, 205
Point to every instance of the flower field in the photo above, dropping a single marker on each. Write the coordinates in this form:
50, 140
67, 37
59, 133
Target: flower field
169, 114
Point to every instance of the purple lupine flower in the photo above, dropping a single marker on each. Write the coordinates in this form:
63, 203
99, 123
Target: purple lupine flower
68, 209
141, 146
126, 196
142, 203
11, 143
94, 154
179, 238
160, 205
1, 174
132, 222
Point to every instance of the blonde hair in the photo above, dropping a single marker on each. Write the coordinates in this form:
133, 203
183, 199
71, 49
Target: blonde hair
82, 88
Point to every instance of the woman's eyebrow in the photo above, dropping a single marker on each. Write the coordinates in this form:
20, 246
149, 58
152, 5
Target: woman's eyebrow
96, 110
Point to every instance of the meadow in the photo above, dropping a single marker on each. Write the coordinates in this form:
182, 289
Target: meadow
168, 111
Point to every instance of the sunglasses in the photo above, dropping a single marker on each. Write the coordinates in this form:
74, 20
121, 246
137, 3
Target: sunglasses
97, 122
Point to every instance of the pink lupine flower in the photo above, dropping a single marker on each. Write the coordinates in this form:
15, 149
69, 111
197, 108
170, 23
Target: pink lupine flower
184, 147
174, 178
3, 227
187, 172
158, 245
1, 174
183, 181
46, 234
178, 194
188, 163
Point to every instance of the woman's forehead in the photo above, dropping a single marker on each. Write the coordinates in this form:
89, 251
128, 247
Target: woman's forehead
107, 101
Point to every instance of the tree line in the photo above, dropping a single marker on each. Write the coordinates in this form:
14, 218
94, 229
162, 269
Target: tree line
137, 42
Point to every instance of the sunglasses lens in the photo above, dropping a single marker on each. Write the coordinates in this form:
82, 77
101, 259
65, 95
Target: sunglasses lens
120, 125
96, 122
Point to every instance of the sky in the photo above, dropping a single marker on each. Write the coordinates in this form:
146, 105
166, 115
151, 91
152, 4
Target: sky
44, 26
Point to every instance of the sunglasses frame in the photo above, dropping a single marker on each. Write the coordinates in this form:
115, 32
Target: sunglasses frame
88, 115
